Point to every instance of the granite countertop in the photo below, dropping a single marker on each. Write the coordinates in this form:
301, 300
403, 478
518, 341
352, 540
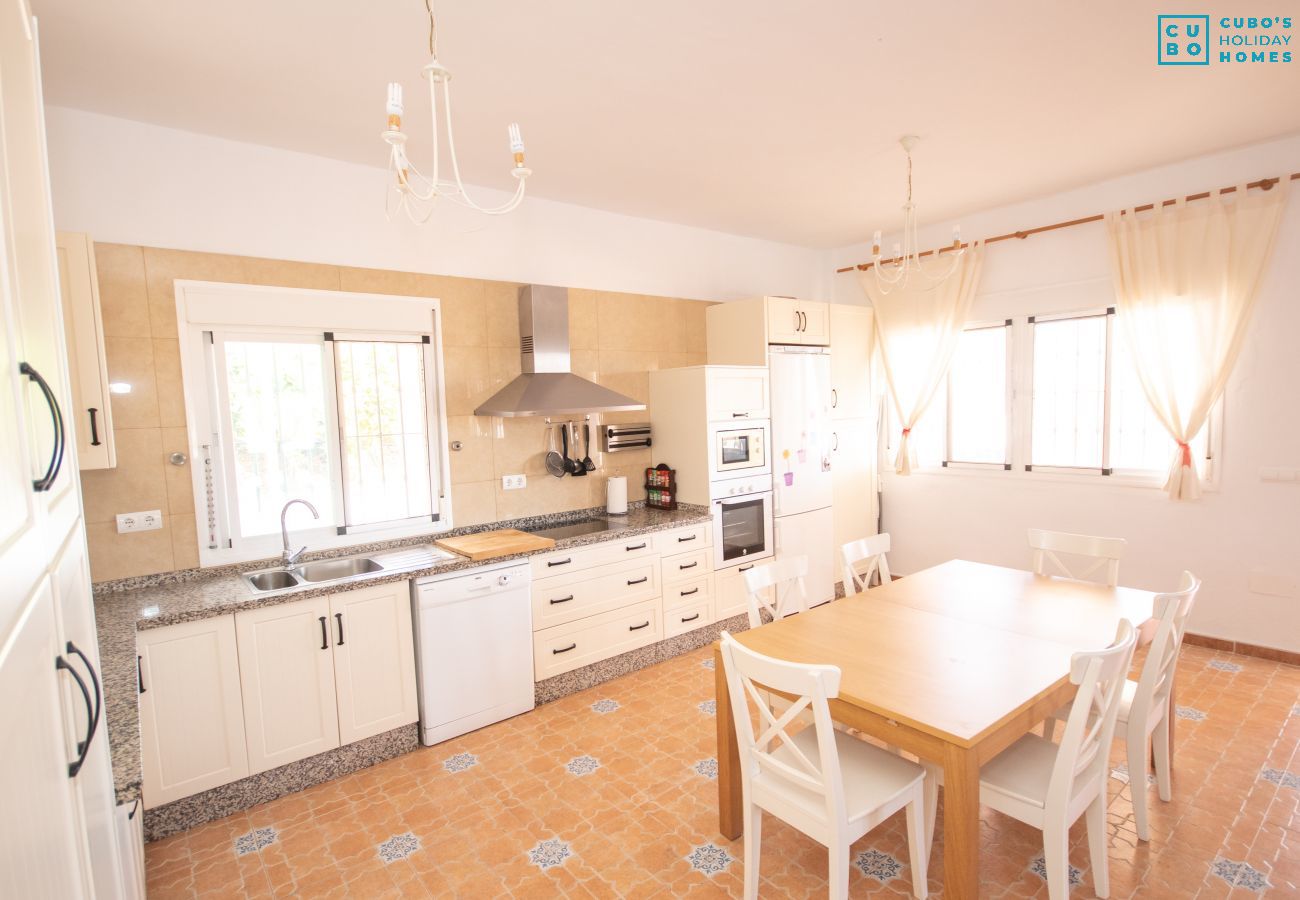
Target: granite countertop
153, 601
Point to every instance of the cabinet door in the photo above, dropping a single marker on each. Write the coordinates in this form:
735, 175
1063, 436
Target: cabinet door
374, 660
784, 324
853, 455
90, 419
729, 591
286, 667
850, 361
191, 720
810, 534
737, 392
814, 323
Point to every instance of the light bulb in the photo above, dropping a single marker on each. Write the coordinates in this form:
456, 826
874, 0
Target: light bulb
394, 106
516, 144
875, 245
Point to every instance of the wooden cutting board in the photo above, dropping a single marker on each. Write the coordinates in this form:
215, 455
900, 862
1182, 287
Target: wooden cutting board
489, 544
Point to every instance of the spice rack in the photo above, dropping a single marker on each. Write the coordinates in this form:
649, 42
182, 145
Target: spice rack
661, 487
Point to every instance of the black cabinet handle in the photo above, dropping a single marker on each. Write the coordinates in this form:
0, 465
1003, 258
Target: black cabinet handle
638, 627
835, 398
635, 547
99, 693
796, 320
740, 415
835, 436
688, 593
690, 618
560, 562
681, 567
139, 675
83, 747
94, 428
641, 580
555, 600
339, 618
324, 634
688, 538
745, 568
565, 649
56, 416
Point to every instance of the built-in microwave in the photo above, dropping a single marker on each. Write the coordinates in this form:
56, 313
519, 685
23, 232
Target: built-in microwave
742, 527
736, 449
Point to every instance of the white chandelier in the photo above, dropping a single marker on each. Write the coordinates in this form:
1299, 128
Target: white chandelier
415, 193
896, 272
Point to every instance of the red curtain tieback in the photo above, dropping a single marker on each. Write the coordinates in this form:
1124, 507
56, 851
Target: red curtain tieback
906, 432
1187, 454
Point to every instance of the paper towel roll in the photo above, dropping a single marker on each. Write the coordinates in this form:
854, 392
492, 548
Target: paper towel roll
616, 495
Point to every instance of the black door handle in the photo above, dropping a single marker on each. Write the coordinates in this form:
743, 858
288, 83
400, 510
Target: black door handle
94, 428
638, 627
682, 540
324, 635
562, 562
555, 600
46, 482
641, 580
634, 547
139, 675
565, 649
835, 398
339, 618
99, 693
740, 415
83, 747
684, 566
691, 618
835, 436
745, 568
688, 593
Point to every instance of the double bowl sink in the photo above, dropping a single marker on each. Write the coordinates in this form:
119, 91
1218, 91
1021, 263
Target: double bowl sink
312, 573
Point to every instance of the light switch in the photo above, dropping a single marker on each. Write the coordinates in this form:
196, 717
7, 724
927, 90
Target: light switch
149, 520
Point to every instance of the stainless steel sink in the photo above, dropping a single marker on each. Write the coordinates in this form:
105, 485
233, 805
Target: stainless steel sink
277, 580
336, 569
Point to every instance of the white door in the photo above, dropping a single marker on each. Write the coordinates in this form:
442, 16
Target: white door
801, 431
89, 418
41, 853
814, 323
851, 337
286, 667
374, 660
853, 453
191, 719
810, 534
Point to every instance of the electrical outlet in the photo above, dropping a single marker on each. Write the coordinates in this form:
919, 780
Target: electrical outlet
149, 520
513, 482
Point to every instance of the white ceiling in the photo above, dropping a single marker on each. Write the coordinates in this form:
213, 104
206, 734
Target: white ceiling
758, 117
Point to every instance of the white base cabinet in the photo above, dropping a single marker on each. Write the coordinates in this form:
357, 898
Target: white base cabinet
374, 660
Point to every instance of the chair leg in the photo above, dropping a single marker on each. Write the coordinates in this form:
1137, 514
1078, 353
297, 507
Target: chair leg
1056, 855
838, 859
753, 840
1164, 781
1096, 821
918, 842
1136, 742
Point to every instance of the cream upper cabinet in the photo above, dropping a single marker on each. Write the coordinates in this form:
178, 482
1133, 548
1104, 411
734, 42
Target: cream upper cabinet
740, 331
851, 336
736, 392
191, 717
815, 323
374, 660
784, 324
286, 667
90, 418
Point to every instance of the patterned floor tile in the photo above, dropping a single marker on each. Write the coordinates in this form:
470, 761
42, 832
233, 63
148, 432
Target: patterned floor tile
399, 846
549, 853
582, 765
706, 767
1120, 774
709, 707
709, 859
604, 706
255, 840
460, 762
880, 866
1239, 874
1191, 713
1278, 777
1224, 666
1039, 867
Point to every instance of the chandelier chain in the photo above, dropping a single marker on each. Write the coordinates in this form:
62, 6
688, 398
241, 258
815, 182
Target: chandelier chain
433, 39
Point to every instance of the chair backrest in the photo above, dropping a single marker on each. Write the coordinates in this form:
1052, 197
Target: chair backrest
862, 559
1084, 754
787, 595
1171, 612
764, 774
1098, 553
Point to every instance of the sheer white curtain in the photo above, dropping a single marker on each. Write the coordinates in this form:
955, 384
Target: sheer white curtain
918, 325
1185, 278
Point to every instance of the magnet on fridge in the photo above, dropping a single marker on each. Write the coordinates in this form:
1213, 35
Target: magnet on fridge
789, 479
803, 455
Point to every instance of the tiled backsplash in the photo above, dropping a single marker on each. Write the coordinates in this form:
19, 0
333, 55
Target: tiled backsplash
616, 340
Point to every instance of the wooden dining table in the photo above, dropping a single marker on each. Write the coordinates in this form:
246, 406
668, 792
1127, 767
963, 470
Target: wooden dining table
953, 663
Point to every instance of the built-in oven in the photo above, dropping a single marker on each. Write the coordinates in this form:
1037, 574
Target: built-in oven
737, 449
742, 525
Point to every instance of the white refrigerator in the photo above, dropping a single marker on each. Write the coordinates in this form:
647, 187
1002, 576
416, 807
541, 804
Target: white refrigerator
801, 463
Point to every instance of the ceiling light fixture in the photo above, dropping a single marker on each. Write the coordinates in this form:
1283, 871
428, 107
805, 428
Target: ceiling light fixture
895, 272
417, 193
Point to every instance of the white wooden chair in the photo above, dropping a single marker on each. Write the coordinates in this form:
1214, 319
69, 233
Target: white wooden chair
832, 787
1049, 786
776, 588
862, 559
1097, 552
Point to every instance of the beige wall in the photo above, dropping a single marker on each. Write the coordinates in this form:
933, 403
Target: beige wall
616, 340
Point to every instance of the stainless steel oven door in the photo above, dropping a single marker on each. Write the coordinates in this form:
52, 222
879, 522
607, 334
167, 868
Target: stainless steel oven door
742, 529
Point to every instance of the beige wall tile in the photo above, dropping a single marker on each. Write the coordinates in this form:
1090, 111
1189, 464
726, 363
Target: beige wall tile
138, 483
464, 313
114, 555
692, 320
185, 542
130, 360
613, 361
543, 495
583, 320
474, 503
163, 267
284, 273
466, 379
627, 322
473, 462
585, 363
123, 298
179, 479
521, 448
381, 281
502, 301
171, 390
504, 364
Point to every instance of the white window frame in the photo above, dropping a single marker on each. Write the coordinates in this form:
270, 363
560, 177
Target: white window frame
292, 314
948, 462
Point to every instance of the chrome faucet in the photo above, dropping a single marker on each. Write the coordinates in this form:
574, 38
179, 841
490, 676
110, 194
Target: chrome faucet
288, 558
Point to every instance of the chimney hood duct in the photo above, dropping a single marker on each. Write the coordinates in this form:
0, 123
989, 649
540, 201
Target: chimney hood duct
547, 387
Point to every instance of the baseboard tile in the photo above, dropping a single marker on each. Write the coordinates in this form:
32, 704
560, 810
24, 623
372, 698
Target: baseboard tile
1273, 654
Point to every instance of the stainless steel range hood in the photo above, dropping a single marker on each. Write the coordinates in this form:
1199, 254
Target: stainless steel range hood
547, 387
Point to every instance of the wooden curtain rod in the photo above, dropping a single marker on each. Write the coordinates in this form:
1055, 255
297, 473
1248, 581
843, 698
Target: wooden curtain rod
1263, 184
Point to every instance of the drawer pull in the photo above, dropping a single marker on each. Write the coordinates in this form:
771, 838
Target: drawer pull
683, 566
555, 600
685, 539
642, 580
745, 568
638, 627
560, 562
640, 546
688, 593
565, 649
690, 618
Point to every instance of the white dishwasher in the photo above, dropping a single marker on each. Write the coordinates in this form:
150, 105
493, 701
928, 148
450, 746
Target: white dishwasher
473, 648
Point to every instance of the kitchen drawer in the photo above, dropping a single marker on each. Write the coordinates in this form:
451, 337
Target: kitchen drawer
591, 591
568, 647
686, 592
561, 562
681, 540
688, 618
687, 566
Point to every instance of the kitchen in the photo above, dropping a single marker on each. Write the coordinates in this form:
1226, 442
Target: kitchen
369, 533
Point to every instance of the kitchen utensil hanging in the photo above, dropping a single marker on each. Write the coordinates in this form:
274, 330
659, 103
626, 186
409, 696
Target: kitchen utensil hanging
578, 468
586, 447
554, 462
